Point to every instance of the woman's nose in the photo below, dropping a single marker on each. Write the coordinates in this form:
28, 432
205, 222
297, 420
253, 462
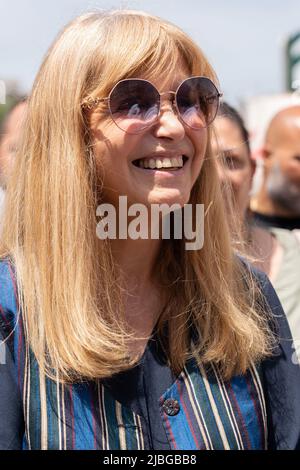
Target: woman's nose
168, 124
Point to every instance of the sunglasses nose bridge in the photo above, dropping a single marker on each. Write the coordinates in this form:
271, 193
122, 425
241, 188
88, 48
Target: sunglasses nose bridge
171, 99
171, 93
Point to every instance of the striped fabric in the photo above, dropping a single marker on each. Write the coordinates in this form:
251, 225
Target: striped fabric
81, 416
216, 415
213, 414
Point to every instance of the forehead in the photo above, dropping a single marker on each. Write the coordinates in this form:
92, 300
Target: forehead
290, 139
170, 80
15, 118
228, 134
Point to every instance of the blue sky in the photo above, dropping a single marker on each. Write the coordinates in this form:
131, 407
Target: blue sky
243, 39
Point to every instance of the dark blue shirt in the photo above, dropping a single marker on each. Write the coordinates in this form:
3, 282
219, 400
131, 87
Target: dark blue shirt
148, 407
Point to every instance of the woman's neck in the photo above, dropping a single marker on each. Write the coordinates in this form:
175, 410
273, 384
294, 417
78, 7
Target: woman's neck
136, 259
144, 298
266, 251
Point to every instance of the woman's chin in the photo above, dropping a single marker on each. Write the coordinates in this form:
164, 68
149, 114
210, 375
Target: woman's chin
168, 197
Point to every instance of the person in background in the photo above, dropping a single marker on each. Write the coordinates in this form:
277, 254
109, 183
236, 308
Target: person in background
10, 134
132, 343
277, 203
275, 251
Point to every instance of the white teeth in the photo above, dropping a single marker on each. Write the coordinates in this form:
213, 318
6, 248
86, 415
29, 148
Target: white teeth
167, 163
151, 163
175, 162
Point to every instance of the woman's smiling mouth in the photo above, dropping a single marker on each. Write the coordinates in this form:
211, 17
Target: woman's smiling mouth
161, 163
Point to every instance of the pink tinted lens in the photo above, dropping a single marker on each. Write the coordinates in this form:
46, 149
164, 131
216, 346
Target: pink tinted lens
197, 101
134, 105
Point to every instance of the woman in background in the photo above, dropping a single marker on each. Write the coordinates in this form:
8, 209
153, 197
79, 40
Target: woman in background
274, 251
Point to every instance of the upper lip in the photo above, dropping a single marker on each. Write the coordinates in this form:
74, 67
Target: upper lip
164, 154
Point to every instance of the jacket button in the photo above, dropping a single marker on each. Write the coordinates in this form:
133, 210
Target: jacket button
171, 407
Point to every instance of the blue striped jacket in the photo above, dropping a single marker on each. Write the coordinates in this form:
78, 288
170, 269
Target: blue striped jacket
146, 407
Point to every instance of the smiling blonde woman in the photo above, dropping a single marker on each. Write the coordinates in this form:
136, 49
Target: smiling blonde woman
120, 343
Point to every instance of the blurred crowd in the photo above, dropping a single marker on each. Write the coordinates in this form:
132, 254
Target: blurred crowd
266, 225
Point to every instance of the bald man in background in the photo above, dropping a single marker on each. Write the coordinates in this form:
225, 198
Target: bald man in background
276, 207
277, 203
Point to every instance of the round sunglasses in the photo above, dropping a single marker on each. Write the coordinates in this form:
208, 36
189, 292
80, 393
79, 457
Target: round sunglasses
135, 104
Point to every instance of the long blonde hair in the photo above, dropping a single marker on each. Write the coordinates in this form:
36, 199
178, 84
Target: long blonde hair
69, 293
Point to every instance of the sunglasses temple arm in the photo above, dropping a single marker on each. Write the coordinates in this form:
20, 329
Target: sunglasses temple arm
93, 102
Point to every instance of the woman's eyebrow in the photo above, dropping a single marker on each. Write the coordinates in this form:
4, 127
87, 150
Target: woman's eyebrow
175, 84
